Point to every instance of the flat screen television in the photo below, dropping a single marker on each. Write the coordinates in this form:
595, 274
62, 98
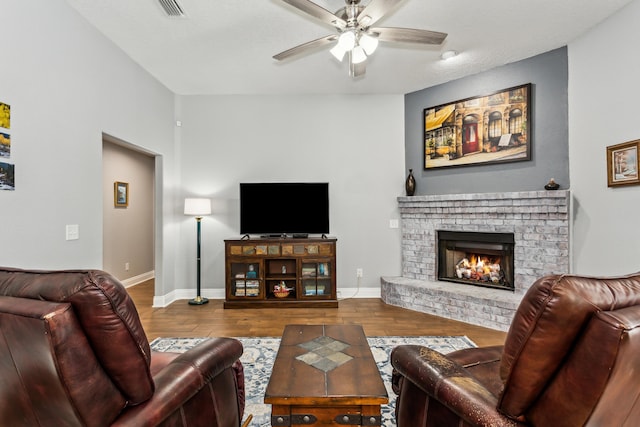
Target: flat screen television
280, 208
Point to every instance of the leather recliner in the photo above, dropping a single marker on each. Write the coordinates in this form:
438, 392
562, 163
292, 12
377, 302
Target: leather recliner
571, 358
73, 353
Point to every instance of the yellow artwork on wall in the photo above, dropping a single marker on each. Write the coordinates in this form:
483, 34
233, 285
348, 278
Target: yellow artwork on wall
7, 168
5, 116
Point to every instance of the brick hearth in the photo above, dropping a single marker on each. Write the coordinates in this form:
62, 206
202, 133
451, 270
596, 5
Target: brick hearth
539, 221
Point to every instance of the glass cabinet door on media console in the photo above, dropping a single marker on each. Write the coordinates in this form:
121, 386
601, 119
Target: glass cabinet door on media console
280, 271
246, 279
316, 278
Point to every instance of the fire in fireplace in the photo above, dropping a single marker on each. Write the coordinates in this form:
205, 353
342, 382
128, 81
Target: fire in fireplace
475, 258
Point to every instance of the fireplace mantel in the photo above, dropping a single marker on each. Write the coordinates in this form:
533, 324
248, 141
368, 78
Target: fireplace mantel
539, 221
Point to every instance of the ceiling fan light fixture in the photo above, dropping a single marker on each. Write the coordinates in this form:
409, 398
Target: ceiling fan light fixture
347, 40
358, 55
338, 52
368, 43
355, 36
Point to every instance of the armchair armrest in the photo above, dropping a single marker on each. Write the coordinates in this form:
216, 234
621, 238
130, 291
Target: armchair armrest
184, 377
450, 384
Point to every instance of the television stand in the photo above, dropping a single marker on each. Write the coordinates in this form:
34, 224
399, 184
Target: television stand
280, 272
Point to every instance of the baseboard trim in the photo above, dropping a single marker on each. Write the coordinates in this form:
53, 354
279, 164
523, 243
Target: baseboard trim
348, 293
132, 281
186, 294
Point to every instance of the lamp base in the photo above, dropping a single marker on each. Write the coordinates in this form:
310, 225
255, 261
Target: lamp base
198, 300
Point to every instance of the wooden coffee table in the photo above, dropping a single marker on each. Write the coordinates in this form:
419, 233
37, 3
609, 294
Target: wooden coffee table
325, 375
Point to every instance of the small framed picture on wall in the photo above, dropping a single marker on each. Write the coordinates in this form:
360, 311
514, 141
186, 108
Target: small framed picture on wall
120, 194
622, 164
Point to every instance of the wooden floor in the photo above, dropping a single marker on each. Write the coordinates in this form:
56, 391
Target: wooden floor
377, 318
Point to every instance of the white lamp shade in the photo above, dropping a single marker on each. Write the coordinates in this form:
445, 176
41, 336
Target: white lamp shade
338, 52
197, 207
358, 55
347, 40
368, 43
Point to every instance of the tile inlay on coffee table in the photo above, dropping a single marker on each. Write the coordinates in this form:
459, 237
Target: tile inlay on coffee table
324, 353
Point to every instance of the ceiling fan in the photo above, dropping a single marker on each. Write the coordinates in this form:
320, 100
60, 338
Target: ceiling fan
356, 38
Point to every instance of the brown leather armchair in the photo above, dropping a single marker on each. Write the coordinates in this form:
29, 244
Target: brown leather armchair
571, 358
73, 353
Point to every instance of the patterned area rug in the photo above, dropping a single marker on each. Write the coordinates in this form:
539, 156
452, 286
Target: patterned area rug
259, 354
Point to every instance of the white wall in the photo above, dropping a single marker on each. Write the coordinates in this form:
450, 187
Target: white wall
353, 142
603, 110
66, 85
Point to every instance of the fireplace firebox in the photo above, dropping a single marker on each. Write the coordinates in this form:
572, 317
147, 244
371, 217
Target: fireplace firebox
475, 258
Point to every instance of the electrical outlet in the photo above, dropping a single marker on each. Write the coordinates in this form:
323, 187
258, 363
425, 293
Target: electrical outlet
358, 272
393, 223
72, 232
126, 266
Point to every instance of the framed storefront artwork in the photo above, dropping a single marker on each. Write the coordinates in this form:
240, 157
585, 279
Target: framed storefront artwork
622, 164
488, 129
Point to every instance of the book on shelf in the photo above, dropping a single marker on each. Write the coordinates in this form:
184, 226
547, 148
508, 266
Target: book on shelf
323, 269
252, 292
252, 283
309, 271
240, 292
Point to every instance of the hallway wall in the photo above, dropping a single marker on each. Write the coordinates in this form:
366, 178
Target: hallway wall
128, 231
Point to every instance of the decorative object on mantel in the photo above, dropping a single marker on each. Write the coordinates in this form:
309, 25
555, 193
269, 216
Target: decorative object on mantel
552, 185
480, 130
623, 164
410, 184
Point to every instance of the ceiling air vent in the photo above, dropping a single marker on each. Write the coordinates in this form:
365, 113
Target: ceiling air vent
172, 8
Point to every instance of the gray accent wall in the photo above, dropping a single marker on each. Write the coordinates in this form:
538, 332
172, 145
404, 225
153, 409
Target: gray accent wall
548, 74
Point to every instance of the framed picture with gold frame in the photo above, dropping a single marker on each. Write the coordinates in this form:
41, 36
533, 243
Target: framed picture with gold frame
622, 164
120, 194
488, 129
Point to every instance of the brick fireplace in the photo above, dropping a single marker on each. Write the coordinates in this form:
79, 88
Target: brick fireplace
538, 221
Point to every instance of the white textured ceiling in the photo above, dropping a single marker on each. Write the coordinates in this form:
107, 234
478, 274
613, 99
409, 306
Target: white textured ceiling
226, 46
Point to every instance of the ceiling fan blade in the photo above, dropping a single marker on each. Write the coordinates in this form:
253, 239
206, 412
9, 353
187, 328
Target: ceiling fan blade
306, 47
375, 10
407, 35
357, 70
318, 12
